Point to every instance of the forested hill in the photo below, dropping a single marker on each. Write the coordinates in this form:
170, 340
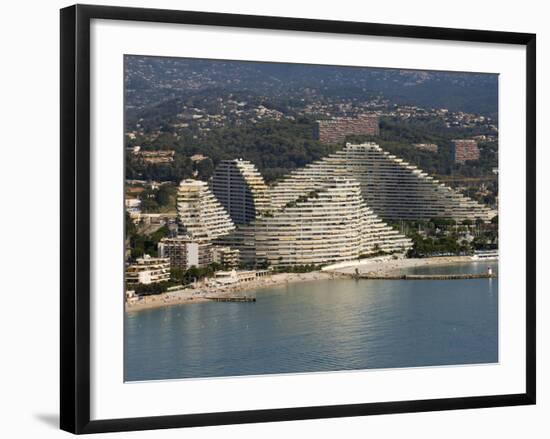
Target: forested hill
278, 147
275, 147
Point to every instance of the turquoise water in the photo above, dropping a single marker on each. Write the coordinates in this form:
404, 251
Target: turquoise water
321, 326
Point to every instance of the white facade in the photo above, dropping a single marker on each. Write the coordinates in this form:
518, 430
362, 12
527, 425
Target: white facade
148, 270
234, 276
329, 224
193, 254
392, 188
200, 215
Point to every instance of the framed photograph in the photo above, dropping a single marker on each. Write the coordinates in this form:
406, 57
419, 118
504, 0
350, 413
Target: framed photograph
268, 219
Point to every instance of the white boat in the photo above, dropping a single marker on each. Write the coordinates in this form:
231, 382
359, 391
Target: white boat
485, 255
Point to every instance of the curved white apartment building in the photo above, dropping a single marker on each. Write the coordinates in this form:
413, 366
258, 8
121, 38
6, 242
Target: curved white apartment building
200, 215
241, 190
392, 188
330, 223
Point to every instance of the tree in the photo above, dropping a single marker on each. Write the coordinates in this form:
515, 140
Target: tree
146, 244
129, 225
163, 195
149, 205
177, 275
205, 168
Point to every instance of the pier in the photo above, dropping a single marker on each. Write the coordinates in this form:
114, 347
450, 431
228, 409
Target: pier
231, 299
426, 276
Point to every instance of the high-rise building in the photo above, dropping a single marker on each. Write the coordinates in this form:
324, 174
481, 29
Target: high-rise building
184, 252
464, 150
330, 223
200, 215
391, 187
148, 270
335, 130
241, 190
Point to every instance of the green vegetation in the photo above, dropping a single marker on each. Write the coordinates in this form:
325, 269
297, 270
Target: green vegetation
278, 147
437, 246
374, 254
443, 237
144, 244
184, 277
161, 200
485, 194
298, 269
291, 203
129, 226
442, 222
177, 277
275, 147
152, 289
397, 137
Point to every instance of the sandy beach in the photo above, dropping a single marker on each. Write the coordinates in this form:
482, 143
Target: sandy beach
378, 266
202, 294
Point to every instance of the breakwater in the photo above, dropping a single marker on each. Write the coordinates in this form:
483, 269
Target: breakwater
231, 299
425, 276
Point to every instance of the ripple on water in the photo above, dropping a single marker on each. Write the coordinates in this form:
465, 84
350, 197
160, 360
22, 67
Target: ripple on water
319, 326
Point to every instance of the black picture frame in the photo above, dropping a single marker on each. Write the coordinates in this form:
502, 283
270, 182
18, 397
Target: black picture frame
75, 218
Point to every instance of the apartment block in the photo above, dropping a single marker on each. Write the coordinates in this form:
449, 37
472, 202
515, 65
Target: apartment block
391, 187
148, 270
184, 252
464, 150
328, 224
225, 256
335, 130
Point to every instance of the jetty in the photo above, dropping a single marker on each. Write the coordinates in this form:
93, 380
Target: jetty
425, 276
231, 298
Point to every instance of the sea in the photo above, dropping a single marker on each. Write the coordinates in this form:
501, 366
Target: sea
320, 326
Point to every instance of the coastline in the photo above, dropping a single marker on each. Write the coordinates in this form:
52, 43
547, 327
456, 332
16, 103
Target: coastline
202, 294
376, 266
